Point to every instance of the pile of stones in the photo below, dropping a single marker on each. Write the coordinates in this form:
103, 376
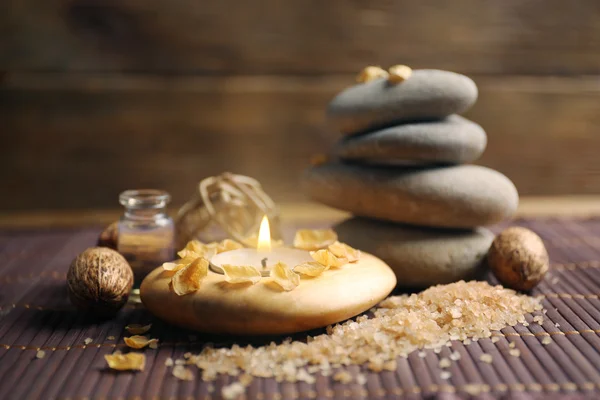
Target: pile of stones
401, 169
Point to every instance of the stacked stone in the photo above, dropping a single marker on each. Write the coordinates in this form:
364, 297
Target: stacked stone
400, 168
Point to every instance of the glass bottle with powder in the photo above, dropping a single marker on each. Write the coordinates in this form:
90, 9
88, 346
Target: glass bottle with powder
146, 233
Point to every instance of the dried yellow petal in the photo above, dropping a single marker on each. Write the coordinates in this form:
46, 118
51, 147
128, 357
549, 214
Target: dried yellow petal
328, 259
241, 273
312, 268
125, 362
399, 73
282, 275
137, 329
88, 340
228, 245
314, 239
370, 73
252, 242
179, 264
183, 373
138, 342
187, 280
342, 250
193, 248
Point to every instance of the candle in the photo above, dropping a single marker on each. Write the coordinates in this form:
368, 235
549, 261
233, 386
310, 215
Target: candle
263, 257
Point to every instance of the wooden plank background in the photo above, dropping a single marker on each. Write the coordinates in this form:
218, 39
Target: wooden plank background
100, 96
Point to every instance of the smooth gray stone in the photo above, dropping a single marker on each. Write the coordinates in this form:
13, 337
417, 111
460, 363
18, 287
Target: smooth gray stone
420, 257
462, 196
454, 140
428, 94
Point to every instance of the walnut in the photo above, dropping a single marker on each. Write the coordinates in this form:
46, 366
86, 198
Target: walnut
518, 258
99, 281
109, 236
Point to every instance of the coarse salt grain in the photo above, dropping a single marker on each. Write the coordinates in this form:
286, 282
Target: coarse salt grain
183, 373
486, 358
40, 354
445, 374
512, 345
514, 352
422, 354
400, 325
454, 356
169, 362
361, 379
495, 339
233, 391
88, 340
444, 363
546, 340
110, 338
539, 319
342, 376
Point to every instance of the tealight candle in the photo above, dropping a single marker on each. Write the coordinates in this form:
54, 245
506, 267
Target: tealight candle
263, 257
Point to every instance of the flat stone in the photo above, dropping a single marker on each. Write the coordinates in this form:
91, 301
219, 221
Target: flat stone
420, 257
462, 196
220, 307
428, 94
453, 140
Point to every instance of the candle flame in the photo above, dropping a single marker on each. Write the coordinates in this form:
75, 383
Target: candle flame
264, 236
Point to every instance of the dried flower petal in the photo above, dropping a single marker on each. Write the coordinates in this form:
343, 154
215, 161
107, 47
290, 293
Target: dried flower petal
40, 354
342, 250
312, 268
138, 342
125, 362
241, 273
228, 245
514, 352
193, 249
444, 363
110, 338
282, 275
169, 362
177, 265
314, 239
88, 340
252, 242
328, 259
137, 329
187, 280
183, 373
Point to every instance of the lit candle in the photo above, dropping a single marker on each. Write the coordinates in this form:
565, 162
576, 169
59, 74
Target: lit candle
263, 257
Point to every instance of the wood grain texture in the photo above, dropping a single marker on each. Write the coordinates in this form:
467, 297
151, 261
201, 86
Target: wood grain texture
303, 38
77, 141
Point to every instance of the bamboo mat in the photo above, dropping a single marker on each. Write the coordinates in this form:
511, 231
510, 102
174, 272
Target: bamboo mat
35, 314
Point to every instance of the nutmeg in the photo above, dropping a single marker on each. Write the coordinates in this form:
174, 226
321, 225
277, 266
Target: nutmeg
518, 258
109, 236
99, 281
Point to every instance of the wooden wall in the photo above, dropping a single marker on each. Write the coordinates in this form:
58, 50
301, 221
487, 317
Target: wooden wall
97, 96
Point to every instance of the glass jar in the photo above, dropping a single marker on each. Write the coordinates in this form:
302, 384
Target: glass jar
146, 233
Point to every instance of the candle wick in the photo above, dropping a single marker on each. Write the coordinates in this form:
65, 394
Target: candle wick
263, 262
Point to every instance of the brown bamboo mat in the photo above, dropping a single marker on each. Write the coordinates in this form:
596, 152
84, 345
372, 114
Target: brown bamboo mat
35, 314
